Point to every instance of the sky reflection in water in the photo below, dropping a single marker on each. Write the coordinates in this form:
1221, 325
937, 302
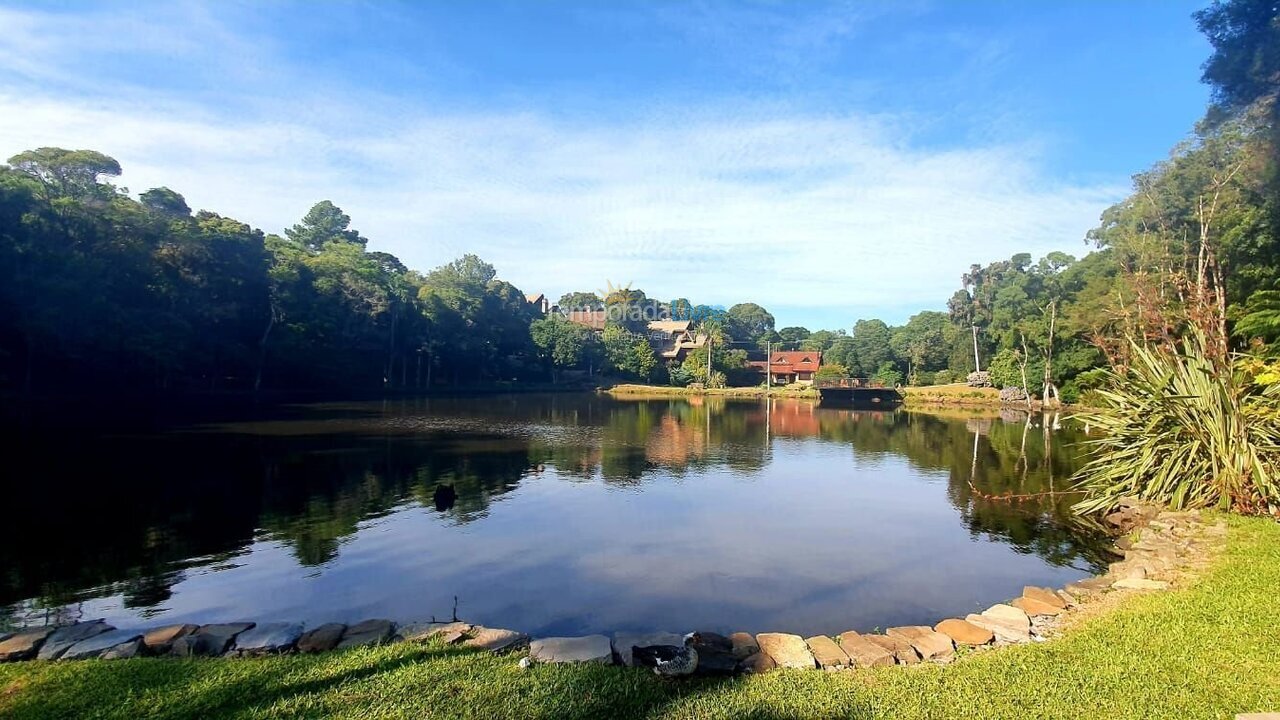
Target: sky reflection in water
566, 514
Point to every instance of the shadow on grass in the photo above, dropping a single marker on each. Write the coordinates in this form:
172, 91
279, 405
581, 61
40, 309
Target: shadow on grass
440, 682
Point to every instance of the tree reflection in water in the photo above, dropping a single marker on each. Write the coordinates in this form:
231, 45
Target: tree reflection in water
134, 513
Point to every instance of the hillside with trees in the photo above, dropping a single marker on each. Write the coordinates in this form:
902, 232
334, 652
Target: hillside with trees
103, 291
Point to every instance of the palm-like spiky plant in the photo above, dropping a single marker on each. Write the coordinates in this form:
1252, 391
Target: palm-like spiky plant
1176, 430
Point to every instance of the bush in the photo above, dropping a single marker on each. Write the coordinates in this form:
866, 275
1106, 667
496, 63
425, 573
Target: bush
831, 371
944, 377
888, 375
678, 376
1177, 431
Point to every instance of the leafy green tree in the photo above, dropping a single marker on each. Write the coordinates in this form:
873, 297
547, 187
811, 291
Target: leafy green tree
831, 371
628, 353
324, 223
580, 301
888, 375
1245, 66
793, 334
166, 202
562, 343
872, 341
920, 344
66, 173
748, 322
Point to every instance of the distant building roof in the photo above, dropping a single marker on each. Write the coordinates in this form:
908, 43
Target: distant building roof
791, 361
670, 326
594, 319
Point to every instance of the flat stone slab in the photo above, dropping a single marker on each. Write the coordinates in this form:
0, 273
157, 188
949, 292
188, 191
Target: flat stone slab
124, 651
160, 640
1127, 569
1003, 631
827, 653
322, 638
190, 646
963, 632
901, 650
930, 644
744, 645
1044, 595
1035, 607
624, 641
100, 643
587, 649
1141, 584
367, 632
788, 651
1007, 614
862, 652
495, 640
64, 637
1088, 586
756, 664
424, 631
216, 638
24, 645
268, 639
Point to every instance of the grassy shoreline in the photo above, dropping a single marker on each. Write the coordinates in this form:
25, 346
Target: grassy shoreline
924, 397
1206, 650
636, 391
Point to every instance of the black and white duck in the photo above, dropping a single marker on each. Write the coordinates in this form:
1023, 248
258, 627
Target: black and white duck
667, 660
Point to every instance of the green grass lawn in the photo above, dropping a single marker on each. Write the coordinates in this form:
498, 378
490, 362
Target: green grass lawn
1210, 650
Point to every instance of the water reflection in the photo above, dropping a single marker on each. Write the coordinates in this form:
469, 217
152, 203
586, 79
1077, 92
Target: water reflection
181, 523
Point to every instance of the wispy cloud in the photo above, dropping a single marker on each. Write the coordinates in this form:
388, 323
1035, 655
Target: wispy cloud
815, 215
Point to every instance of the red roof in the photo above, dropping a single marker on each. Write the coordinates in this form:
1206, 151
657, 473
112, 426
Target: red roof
792, 361
594, 319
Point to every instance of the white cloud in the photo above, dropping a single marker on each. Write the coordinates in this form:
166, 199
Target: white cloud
818, 214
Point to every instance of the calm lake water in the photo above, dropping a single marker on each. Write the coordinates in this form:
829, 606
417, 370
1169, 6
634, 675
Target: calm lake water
561, 514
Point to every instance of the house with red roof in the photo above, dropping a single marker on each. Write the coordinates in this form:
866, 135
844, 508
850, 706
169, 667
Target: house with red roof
791, 366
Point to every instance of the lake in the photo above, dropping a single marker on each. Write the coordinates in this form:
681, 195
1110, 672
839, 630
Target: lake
550, 514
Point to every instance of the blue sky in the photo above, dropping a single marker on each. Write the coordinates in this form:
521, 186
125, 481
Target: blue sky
828, 160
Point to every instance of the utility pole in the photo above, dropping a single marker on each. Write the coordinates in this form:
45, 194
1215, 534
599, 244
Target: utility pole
710, 356
768, 369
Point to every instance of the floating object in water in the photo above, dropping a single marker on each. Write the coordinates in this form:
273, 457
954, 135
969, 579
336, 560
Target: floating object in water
444, 498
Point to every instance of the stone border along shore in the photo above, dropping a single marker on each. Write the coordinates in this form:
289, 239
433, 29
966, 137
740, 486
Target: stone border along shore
1158, 547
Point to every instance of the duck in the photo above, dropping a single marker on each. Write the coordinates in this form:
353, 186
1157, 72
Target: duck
667, 660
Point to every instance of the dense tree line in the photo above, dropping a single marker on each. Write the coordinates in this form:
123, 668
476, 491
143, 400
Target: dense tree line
98, 290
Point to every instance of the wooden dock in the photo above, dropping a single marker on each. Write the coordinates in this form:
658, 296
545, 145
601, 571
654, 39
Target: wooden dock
857, 393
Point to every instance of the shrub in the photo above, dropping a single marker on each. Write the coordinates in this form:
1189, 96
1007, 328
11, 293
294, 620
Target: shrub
1175, 430
888, 375
831, 371
678, 375
944, 377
